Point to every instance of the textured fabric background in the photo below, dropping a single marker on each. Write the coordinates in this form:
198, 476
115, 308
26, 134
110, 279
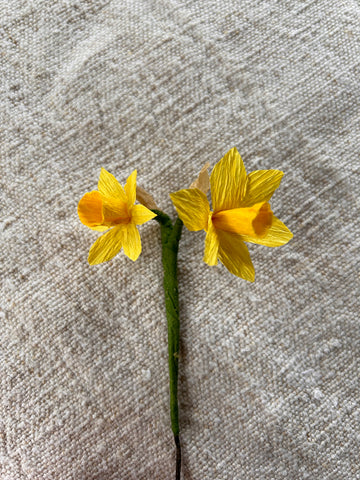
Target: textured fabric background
269, 371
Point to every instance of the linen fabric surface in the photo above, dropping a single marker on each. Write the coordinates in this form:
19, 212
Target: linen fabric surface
269, 370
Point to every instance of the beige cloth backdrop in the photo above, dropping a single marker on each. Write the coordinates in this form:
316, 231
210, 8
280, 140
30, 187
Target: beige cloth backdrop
269, 371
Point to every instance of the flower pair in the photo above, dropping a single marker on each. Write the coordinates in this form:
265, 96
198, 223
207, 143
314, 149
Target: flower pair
240, 213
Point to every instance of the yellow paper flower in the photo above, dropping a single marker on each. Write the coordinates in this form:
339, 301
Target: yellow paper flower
112, 207
241, 212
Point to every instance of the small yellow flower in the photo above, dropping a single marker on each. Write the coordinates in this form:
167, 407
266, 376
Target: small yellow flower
241, 212
112, 207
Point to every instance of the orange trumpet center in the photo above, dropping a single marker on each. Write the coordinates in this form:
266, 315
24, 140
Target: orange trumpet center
254, 221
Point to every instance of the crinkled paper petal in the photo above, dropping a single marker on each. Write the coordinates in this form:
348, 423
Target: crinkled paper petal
141, 214
130, 188
106, 246
100, 228
108, 186
145, 198
203, 180
192, 207
211, 246
277, 235
233, 253
90, 210
260, 186
228, 182
132, 242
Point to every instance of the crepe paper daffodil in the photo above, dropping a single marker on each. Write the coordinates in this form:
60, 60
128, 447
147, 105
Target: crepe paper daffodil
112, 208
240, 213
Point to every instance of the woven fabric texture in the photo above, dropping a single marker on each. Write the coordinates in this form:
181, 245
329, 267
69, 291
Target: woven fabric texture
269, 371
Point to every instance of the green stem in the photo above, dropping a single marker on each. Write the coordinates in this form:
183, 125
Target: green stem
170, 237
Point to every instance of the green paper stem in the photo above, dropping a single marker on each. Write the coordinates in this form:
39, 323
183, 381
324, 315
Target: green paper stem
170, 237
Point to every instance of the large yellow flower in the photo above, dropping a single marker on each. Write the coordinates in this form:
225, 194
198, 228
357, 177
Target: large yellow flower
241, 212
112, 207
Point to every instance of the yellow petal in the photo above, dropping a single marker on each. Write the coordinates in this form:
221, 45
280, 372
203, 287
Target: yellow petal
260, 186
141, 214
132, 242
100, 228
192, 207
228, 182
233, 253
106, 246
211, 246
90, 209
108, 186
254, 221
277, 235
130, 188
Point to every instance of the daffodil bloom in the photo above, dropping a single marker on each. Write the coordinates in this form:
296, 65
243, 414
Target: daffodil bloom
112, 208
241, 213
